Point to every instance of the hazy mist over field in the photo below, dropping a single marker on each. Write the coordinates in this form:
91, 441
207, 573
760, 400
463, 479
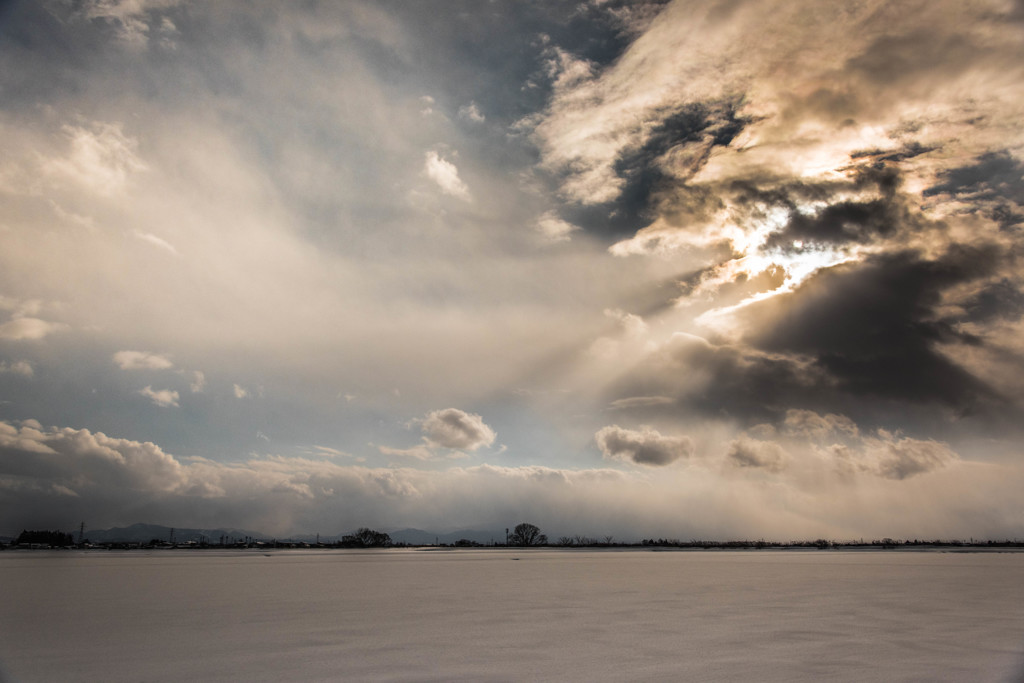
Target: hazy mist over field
684, 269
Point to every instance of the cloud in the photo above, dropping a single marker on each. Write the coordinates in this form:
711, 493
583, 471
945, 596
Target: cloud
722, 379
902, 457
646, 447
328, 452
640, 402
893, 327
131, 19
788, 179
50, 474
20, 308
158, 242
142, 360
874, 327
554, 229
447, 434
696, 53
446, 175
79, 459
29, 329
471, 113
809, 424
21, 367
198, 383
161, 397
102, 158
806, 439
794, 253
752, 453
457, 429
420, 452
28, 437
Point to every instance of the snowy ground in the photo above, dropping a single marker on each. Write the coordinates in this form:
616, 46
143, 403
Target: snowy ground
499, 615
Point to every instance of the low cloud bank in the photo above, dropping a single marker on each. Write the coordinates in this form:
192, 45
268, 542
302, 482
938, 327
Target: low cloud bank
52, 477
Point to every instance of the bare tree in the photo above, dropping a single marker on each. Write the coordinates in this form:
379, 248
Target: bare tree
367, 538
564, 541
527, 534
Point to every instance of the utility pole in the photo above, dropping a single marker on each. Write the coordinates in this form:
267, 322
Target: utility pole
81, 533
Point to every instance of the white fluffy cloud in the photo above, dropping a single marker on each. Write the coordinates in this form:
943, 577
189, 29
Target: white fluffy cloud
142, 360
555, 229
446, 175
447, 434
456, 429
28, 329
80, 460
644, 447
471, 113
161, 397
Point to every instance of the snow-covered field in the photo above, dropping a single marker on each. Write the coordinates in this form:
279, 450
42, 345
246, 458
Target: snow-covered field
496, 614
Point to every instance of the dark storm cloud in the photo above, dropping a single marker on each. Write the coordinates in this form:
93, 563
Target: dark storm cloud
722, 380
999, 300
875, 327
908, 151
995, 175
647, 187
845, 221
840, 223
850, 339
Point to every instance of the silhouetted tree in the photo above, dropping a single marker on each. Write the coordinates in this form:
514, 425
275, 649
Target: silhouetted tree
527, 534
368, 538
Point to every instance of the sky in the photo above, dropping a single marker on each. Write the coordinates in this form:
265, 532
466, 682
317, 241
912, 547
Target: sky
677, 270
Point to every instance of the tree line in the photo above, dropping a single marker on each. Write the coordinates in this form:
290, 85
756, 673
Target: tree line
526, 535
57, 539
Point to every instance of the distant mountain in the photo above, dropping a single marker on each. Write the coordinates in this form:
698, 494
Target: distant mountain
143, 533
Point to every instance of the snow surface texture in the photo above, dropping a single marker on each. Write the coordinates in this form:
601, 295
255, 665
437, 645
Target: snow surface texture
503, 615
